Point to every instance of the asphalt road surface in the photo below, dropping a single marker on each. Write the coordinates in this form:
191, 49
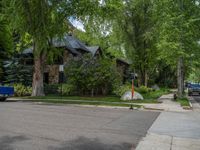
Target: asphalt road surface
197, 98
32, 126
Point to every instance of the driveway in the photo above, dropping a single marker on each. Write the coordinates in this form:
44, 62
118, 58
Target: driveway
33, 126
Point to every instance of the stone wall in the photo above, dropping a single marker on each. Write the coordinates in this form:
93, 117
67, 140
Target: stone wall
53, 70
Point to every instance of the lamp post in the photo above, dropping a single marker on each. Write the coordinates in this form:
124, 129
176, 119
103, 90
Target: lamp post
132, 91
61, 70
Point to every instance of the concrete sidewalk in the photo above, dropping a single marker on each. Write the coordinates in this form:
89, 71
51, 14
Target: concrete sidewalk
167, 104
174, 131
164, 142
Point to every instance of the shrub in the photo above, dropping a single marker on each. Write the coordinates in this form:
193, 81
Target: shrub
17, 72
120, 90
51, 88
66, 89
91, 75
21, 90
143, 89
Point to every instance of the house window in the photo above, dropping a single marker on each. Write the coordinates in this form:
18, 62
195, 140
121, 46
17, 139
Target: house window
46, 77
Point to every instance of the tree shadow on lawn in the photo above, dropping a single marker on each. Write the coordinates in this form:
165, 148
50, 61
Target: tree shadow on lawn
83, 143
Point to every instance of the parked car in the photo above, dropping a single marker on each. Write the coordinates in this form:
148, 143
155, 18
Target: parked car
193, 89
6, 92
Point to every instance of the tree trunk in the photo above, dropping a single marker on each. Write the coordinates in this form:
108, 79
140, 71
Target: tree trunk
145, 79
180, 77
38, 85
92, 92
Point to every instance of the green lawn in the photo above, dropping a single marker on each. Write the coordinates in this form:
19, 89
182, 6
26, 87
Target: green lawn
156, 94
150, 97
82, 102
84, 98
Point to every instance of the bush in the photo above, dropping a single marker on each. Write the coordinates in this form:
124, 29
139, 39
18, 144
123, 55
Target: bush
51, 88
143, 89
17, 72
66, 89
120, 90
21, 90
90, 75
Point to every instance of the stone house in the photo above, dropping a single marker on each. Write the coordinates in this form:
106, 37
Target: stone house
71, 48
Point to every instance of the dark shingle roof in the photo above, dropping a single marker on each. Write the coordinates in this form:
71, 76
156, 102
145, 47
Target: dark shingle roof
93, 49
127, 62
69, 42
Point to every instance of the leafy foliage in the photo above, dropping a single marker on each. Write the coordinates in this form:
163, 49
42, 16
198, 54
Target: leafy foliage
92, 75
17, 72
155, 94
66, 89
120, 90
135, 24
5, 44
143, 89
51, 88
21, 90
178, 29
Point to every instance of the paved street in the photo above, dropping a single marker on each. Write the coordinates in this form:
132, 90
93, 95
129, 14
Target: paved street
197, 98
31, 126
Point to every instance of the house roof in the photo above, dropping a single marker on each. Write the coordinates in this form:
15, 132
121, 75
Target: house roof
69, 42
127, 62
93, 49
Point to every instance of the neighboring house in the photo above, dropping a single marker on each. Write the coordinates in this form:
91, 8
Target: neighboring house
72, 48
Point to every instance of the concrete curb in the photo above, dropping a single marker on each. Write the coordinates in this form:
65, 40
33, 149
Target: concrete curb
190, 98
92, 105
158, 109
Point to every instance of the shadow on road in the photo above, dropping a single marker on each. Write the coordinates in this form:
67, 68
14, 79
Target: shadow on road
83, 143
7, 141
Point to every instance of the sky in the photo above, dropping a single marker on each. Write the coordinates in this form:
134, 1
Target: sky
76, 23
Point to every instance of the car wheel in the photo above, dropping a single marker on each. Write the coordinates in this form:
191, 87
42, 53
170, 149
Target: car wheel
2, 99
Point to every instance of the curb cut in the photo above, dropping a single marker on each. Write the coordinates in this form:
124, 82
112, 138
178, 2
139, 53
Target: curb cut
158, 109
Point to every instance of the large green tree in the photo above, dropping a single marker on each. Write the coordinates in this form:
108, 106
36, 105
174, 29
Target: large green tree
158, 31
43, 20
126, 30
5, 42
134, 22
178, 35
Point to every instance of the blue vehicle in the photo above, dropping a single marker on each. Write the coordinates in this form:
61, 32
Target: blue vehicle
5, 92
193, 89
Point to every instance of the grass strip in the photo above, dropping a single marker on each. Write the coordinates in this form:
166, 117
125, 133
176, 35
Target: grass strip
79, 102
99, 99
183, 101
